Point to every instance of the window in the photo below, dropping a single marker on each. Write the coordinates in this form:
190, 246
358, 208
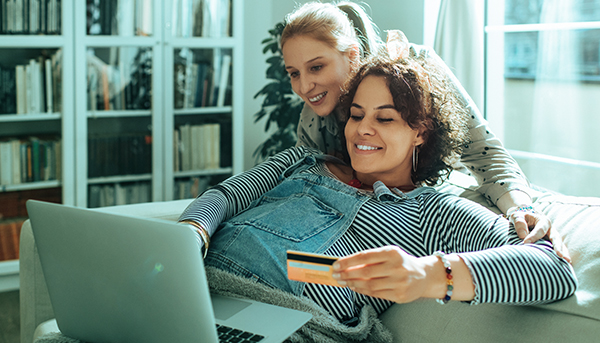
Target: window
542, 80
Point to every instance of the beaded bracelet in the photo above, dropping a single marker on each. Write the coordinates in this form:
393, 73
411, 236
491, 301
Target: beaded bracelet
523, 208
449, 282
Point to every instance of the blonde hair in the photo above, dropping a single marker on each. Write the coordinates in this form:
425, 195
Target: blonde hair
341, 26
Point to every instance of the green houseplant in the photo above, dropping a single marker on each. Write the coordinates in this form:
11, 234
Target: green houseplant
281, 106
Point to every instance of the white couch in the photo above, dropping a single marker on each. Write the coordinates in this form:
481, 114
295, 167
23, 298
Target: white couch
575, 319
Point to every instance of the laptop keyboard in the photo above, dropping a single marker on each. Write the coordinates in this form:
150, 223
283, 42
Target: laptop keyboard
227, 334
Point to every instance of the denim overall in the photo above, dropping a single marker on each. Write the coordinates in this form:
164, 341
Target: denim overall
305, 212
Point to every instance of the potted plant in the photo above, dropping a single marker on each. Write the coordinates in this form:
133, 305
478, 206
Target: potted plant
281, 106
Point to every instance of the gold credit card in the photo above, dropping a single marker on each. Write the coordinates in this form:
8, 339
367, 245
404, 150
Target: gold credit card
313, 268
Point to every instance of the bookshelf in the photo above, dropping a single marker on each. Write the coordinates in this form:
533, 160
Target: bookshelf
146, 102
118, 65
189, 133
211, 54
36, 121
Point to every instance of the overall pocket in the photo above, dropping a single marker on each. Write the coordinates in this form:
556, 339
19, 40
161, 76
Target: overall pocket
296, 218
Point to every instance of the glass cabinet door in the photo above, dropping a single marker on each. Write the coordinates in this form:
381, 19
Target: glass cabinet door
123, 18
199, 101
201, 18
119, 128
36, 159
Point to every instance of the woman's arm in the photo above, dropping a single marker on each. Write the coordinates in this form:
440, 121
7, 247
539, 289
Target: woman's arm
485, 157
518, 275
501, 180
391, 273
233, 195
489, 261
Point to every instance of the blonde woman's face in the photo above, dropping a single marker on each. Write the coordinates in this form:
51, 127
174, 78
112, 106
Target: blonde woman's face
317, 72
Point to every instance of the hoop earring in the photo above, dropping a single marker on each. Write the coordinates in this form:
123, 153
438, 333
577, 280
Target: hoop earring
415, 158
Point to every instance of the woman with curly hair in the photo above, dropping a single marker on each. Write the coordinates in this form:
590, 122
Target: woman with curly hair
423, 99
323, 43
398, 240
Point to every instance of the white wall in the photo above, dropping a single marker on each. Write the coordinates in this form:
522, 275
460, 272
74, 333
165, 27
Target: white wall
261, 15
257, 22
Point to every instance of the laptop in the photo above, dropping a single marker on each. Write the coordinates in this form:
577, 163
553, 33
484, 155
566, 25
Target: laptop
118, 278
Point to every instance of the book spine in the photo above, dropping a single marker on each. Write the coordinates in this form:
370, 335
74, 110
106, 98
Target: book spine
16, 162
6, 245
35, 159
49, 92
6, 160
225, 68
21, 89
9, 240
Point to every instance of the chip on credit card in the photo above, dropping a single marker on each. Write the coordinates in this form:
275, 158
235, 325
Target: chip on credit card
313, 268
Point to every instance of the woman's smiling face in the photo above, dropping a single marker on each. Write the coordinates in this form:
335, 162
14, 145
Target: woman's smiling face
380, 143
317, 72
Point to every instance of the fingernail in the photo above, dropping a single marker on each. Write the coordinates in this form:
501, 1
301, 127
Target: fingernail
336, 266
336, 275
341, 283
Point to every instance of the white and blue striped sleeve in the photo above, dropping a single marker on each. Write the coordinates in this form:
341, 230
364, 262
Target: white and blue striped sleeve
233, 195
504, 270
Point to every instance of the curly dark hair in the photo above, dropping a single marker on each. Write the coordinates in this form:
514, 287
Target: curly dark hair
426, 99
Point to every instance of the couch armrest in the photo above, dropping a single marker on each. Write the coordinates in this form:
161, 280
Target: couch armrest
35, 303
167, 210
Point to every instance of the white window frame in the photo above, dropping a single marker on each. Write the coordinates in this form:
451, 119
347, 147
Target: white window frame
494, 91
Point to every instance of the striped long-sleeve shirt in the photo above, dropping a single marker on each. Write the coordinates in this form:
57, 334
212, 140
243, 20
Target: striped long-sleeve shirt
503, 269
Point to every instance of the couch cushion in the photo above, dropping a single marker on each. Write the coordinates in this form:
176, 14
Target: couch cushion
574, 319
428, 321
578, 221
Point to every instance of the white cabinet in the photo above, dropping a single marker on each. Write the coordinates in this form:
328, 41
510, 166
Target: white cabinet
118, 102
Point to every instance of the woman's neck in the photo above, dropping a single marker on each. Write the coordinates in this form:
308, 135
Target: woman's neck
349, 176
357, 181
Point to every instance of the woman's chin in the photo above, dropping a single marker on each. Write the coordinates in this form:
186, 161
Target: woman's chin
361, 167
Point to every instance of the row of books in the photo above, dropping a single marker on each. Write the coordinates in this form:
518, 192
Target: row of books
9, 240
125, 154
197, 147
119, 17
29, 160
32, 88
202, 18
122, 83
119, 194
190, 188
30, 16
202, 78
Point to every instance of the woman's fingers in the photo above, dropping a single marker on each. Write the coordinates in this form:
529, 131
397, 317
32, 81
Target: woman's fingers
518, 220
367, 257
542, 227
387, 273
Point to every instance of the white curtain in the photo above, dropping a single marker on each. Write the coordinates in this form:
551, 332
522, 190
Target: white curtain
565, 110
459, 42
558, 106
